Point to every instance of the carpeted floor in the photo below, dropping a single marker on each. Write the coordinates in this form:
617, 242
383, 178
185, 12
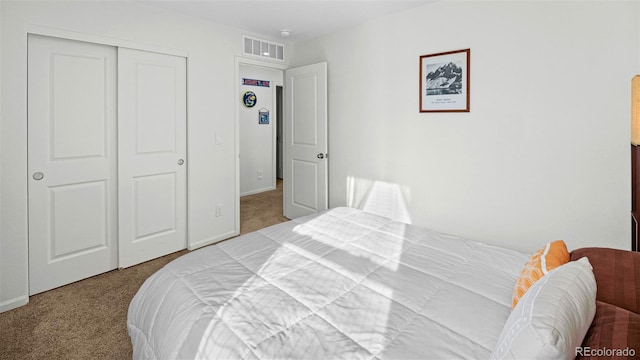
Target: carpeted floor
87, 319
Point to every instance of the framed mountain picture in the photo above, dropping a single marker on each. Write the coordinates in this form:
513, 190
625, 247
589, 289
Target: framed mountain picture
444, 81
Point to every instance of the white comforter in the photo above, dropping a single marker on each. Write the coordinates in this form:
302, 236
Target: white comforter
338, 284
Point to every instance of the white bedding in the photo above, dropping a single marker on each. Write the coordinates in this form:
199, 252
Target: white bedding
338, 284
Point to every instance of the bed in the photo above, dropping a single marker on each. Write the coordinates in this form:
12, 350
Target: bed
342, 283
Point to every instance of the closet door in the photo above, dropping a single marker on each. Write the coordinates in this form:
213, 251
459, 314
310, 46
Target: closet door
71, 161
151, 155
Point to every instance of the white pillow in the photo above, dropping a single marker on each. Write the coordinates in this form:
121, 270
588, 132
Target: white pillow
552, 317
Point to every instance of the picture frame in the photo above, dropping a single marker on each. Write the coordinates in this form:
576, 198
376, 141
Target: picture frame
263, 116
445, 81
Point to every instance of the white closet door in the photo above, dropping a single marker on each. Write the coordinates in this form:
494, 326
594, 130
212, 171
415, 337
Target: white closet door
71, 161
151, 155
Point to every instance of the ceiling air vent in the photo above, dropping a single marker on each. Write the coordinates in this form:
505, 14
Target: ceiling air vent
263, 48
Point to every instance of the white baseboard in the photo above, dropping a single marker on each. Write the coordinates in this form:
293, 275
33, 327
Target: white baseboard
258, 191
209, 241
13, 303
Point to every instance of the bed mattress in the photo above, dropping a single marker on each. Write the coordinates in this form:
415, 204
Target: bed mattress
338, 284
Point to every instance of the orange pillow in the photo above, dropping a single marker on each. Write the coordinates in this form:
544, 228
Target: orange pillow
549, 257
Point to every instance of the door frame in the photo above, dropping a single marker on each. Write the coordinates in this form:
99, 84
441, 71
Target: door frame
274, 123
242, 60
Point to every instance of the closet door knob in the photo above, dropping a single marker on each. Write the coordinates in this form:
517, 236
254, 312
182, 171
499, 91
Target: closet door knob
38, 176
320, 156
180, 162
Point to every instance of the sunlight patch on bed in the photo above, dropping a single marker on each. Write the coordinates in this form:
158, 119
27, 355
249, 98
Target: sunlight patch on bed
346, 255
354, 259
340, 260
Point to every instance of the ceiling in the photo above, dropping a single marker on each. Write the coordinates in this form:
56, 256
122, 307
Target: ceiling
306, 19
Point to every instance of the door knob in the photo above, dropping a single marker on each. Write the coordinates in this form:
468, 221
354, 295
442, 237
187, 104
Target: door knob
180, 162
320, 156
38, 176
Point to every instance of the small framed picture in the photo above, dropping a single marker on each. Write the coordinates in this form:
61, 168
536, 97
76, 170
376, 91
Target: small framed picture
263, 117
444, 81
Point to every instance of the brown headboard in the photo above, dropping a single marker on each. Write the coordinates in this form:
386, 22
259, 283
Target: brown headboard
615, 330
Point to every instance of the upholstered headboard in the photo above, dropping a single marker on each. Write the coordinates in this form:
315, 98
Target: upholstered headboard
615, 330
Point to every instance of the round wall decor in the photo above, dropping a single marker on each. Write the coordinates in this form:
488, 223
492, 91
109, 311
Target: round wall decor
249, 99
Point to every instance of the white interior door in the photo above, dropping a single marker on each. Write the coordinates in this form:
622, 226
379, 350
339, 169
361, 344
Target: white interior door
71, 161
305, 145
151, 155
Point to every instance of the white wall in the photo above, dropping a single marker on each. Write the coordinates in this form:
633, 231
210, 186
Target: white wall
257, 141
544, 152
212, 101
